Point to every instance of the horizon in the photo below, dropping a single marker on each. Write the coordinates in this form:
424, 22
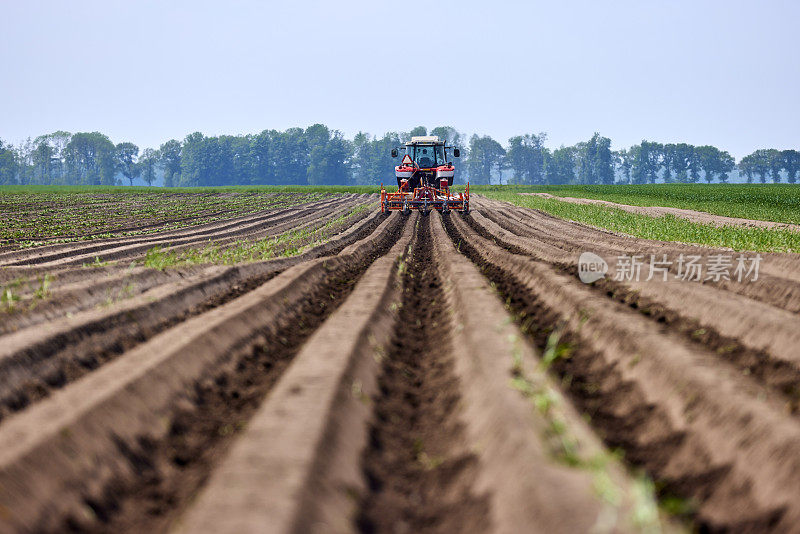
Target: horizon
698, 74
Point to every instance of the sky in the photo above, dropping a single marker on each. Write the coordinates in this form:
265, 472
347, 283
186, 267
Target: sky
725, 73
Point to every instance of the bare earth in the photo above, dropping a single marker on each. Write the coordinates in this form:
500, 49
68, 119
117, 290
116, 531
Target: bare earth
659, 211
393, 380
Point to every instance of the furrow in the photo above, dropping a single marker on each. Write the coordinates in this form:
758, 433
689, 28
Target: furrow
134, 247
81, 458
702, 430
295, 468
56, 251
444, 432
419, 472
95, 288
779, 274
76, 273
759, 339
40, 358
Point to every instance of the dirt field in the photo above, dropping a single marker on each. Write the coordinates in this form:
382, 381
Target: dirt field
408, 374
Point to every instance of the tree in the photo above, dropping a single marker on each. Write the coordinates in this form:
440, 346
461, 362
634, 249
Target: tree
49, 165
560, 166
261, 166
125, 157
758, 164
317, 135
90, 159
791, 164
328, 163
24, 155
371, 162
714, 162
595, 161
42, 162
361, 160
622, 162
193, 155
747, 167
526, 158
775, 164
170, 159
147, 165
645, 162
485, 157
449, 134
222, 160
291, 157
668, 157
8, 164
419, 130
237, 150
679, 162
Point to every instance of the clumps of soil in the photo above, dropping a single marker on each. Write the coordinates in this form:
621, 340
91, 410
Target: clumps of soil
418, 474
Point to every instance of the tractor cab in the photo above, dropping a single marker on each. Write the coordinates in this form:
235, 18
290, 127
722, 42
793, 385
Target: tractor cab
424, 177
425, 162
427, 155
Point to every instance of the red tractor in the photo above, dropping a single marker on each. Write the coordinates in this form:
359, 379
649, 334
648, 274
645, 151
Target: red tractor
424, 178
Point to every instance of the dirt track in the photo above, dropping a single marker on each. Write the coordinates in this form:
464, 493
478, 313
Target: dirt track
413, 374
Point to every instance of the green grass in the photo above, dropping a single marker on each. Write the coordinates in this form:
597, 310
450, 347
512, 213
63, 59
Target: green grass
667, 228
766, 202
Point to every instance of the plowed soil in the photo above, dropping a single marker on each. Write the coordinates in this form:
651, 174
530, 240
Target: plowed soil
422, 373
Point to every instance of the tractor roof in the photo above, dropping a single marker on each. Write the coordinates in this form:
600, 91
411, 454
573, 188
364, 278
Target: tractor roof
425, 140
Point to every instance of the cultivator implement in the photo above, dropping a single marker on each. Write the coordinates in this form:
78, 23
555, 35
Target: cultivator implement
424, 199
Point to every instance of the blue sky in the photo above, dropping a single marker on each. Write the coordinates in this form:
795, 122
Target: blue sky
725, 73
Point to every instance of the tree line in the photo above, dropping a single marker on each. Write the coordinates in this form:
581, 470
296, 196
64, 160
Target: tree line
318, 155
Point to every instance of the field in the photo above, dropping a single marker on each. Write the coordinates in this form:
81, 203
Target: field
767, 202
288, 359
740, 217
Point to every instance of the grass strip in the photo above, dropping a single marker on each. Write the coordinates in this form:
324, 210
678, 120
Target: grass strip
666, 228
765, 202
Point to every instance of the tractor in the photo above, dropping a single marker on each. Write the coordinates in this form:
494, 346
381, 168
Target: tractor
424, 178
